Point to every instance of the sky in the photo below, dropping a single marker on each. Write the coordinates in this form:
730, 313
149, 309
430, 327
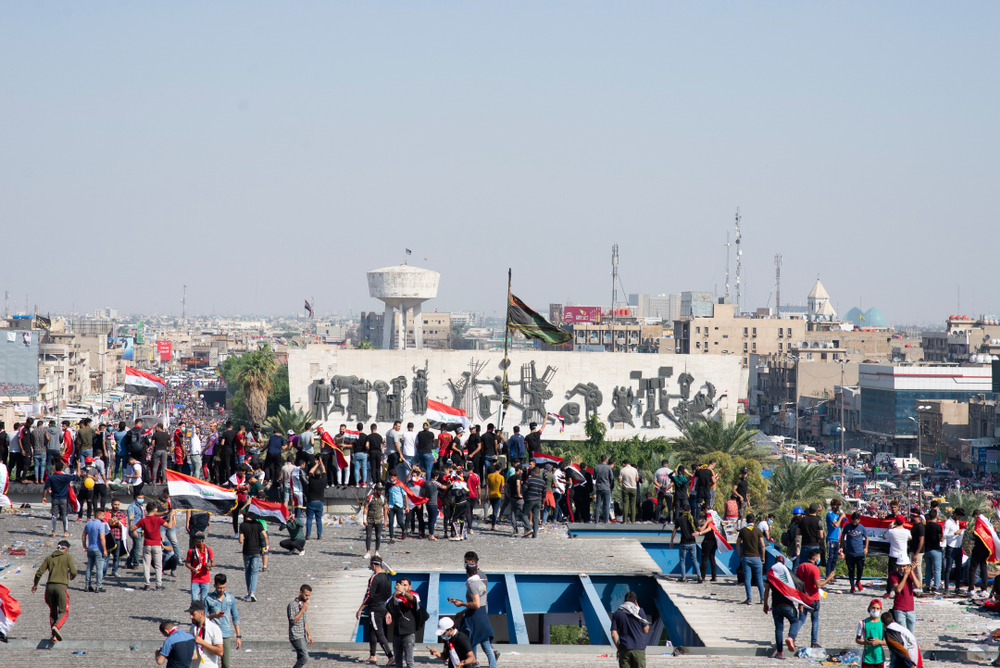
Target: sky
263, 152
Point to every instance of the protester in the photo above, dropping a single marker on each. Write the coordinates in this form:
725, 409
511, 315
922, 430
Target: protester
254, 540
59, 483
200, 561
475, 623
456, 649
953, 534
298, 629
296, 541
750, 547
834, 519
628, 476
933, 558
854, 543
871, 634
604, 477
403, 609
207, 636
118, 523
221, 608
378, 592
808, 573
178, 649
685, 524
781, 607
810, 529
902, 582
898, 538
152, 544
95, 545
374, 515
61, 569
629, 628
901, 643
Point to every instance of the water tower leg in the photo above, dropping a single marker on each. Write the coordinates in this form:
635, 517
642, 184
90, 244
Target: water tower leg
387, 324
418, 327
401, 343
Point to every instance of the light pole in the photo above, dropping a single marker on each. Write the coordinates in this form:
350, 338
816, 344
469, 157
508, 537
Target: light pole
920, 449
795, 406
843, 458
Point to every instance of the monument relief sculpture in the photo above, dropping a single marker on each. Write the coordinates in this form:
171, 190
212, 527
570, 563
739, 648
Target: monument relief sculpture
622, 401
321, 399
357, 401
592, 397
382, 397
396, 399
419, 395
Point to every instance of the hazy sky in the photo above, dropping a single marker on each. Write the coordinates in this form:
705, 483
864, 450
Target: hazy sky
267, 152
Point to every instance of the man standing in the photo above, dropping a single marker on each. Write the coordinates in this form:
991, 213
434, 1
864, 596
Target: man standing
808, 572
152, 543
207, 636
59, 483
409, 450
361, 457
629, 627
898, 538
834, 518
253, 538
379, 591
273, 460
194, 450
475, 622
425, 448
61, 569
932, 552
604, 477
903, 581
704, 479
394, 449
812, 534
200, 560
662, 483
628, 476
533, 491
298, 629
750, 547
402, 611
854, 541
474, 450
93, 538
221, 608
915, 546
178, 649
225, 453
741, 491
533, 441
375, 453
161, 455
489, 442
306, 442
953, 533
118, 523
515, 446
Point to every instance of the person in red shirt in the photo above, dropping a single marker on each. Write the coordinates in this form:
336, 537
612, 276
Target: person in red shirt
474, 483
200, 561
902, 582
67, 450
152, 545
241, 442
178, 440
808, 572
444, 447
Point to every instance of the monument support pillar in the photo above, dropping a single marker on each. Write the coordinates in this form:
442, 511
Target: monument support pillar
387, 324
402, 328
418, 327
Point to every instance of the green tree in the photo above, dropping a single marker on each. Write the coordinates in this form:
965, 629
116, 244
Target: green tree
702, 437
279, 396
800, 483
364, 345
728, 469
972, 504
256, 378
295, 419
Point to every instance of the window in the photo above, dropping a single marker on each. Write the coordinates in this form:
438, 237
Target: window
697, 330
697, 344
779, 346
725, 336
716, 328
755, 346
744, 331
716, 343
744, 346
755, 331
789, 331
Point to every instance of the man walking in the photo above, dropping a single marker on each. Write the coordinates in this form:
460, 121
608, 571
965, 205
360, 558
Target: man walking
221, 608
178, 648
298, 629
808, 572
59, 483
834, 519
61, 569
152, 543
402, 611
750, 547
207, 636
379, 591
628, 476
629, 627
253, 538
161, 455
93, 539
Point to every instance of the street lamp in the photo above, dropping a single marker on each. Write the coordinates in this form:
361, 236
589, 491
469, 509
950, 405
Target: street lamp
842, 453
920, 449
796, 405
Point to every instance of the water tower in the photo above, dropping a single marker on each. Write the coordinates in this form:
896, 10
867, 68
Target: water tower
404, 288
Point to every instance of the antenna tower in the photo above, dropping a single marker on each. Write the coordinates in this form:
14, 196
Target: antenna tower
614, 286
777, 285
739, 257
184, 301
727, 266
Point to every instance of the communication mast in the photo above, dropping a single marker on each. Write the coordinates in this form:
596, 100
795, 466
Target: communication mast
184, 300
739, 257
614, 287
727, 266
777, 285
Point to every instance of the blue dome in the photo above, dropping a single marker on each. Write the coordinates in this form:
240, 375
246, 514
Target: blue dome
875, 318
852, 316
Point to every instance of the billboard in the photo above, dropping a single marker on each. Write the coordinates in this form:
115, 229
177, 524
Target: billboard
573, 314
164, 349
19, 363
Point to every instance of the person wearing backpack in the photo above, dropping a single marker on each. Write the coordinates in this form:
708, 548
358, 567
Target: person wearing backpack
404, 611
788, 535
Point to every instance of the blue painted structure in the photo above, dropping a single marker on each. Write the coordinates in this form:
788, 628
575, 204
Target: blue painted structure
518, 594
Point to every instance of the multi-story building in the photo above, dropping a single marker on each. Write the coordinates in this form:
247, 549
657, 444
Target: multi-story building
622, 337
651, 306
436, 329
961, 339
721, 332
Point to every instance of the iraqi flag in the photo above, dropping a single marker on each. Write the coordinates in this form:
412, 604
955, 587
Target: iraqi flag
786, 584
269, 511
560, 419
984, 532
720, 537
188, 493
542, 458
328, 440
575, 475
4, 485
351, 436
444, 417
10, 610
875, 530
414, 498
74, 503
140, 382
903, 644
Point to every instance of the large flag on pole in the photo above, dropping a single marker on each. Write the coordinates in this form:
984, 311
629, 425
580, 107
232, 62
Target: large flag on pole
188, 493
268, 511
444, 417
140, 382
984, 532
521, 318
10, 610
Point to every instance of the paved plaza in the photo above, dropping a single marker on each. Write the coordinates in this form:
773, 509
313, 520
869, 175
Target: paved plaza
107, 625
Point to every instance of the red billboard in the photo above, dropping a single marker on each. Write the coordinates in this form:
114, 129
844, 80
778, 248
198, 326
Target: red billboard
581, 314
164, 349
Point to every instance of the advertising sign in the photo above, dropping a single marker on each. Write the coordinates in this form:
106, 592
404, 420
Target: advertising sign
138, 333
164, 349
19, 364
573, 314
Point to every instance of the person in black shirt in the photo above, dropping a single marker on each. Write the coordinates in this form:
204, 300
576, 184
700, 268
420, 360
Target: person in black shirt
361, 457
533, 441
704, 477
490, 442
781, 609
375, 453
474, 451
686, 525
933, 535
457, 649
225, 453
161, 455
741, 490
315, 490
379, 591
425, 448
402, 608
811, 529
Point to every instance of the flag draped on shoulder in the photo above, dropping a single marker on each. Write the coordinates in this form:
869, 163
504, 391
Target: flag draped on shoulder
785, 583
328, 441
268, 511
903, 644
188, 493
521, 318
414, 498
444, 417
140, 382
720, 537
985, 532
10, 610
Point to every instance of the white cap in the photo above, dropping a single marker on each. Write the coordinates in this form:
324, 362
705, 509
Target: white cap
444, 624
291, 431
903, 560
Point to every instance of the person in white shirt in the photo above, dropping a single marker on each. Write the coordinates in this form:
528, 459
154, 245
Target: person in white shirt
663, 484
194, 452
953, 534
410, 445
207, 637
898, 537
765, 528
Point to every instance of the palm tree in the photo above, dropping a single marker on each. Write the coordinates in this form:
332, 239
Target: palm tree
364, 345
702, 437
799, 483
256, 377
295, 419
972, 504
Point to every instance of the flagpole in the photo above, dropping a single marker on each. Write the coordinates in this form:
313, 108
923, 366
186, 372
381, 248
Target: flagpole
505, 399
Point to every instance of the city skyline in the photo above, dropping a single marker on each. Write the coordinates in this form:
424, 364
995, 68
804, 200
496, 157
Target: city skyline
264, 154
